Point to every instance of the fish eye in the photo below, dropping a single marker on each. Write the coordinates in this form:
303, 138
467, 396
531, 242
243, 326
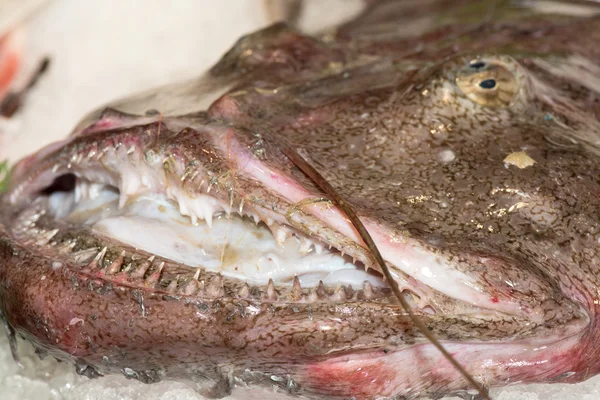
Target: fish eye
488, 83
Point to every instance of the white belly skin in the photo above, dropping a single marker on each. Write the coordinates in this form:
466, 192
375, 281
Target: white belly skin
104, 49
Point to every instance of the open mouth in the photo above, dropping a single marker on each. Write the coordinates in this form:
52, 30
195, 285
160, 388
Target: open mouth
136, 223
164, 220
205, 233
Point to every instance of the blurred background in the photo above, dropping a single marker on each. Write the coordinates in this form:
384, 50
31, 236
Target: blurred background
102, 50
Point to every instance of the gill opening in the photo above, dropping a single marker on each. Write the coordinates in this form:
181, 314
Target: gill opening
347, 209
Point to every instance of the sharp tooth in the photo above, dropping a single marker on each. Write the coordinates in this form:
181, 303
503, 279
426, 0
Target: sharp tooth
123, 199
130, 185
94, 189
244, 291
154, 277
241, 209
281, 234
147, 181
140, 271
197, 274
208, 217
116, 265
256, 219
296, 289
305, 246
190, 288
350, 292
321, 292
269, 221
318, 248
85, 255
47, 237
271, 294
338, 295
215, 287
77, 194
183, 210
97, 261
367, 290
86, 190
67, 247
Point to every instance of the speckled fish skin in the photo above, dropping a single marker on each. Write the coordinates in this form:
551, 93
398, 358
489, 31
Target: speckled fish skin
468, 146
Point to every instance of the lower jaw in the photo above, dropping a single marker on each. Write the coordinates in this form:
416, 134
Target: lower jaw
358, 348
323, 350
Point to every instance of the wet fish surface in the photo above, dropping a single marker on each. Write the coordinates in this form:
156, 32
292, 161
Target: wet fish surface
171, 237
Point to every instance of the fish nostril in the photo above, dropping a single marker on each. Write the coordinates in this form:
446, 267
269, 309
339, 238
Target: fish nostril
477, 64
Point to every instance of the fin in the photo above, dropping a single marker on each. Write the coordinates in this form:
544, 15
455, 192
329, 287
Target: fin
12, 339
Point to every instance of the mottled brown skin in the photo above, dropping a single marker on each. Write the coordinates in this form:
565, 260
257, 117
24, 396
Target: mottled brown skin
377, 110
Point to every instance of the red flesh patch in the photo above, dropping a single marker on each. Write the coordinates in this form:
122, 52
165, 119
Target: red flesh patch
10, 62
360, 379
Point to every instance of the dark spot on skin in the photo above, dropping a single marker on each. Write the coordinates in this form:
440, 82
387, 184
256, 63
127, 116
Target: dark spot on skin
488, 84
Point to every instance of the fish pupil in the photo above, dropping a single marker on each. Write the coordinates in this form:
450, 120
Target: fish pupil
488, 84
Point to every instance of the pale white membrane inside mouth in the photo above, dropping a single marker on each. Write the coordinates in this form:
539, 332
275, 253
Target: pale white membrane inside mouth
234, 246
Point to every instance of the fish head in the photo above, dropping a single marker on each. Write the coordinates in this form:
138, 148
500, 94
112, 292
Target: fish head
172, 235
